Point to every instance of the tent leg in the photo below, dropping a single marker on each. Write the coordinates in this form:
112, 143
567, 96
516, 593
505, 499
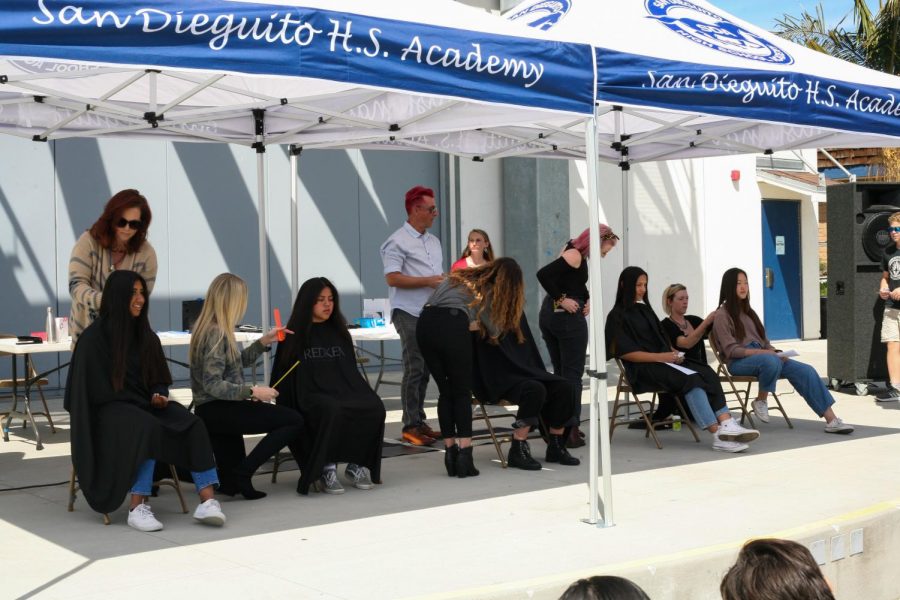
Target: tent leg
294, 152
599, 409
258, 117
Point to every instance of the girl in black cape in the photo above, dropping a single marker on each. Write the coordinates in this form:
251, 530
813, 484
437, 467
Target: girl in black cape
344, 417
121, 418
511, 368
635, 335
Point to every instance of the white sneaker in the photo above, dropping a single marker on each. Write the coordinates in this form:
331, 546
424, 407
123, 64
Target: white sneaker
723, 446
731, 431
329, 483
141, 518
359, 476
838, 426
210, 513
761, 408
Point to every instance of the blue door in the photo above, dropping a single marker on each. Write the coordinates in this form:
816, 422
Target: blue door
781, 269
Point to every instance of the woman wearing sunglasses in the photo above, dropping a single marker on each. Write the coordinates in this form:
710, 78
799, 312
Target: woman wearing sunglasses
117, 241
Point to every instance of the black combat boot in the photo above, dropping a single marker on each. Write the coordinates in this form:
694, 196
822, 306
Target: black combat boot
519, 456
557, 452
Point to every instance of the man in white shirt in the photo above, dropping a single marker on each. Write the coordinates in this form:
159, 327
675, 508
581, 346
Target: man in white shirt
413, 267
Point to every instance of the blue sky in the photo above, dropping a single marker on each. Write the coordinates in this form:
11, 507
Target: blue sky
763, 13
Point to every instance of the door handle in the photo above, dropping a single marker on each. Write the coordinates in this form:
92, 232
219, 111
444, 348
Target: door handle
770, 277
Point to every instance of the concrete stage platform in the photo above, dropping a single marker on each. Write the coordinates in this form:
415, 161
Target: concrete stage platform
680, 513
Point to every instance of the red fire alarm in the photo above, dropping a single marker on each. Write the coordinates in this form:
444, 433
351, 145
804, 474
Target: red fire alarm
735, 175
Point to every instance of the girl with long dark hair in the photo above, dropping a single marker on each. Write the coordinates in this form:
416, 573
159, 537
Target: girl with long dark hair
562, 317
344, 418
478, 251
122, 420
488, 300
741, 338
635, 335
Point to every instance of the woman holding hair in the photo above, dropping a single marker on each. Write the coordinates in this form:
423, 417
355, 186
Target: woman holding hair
478, 251
741, 338
116, 241
635, 335
488, 300
229, 406
117, 394
563, 311
344, 418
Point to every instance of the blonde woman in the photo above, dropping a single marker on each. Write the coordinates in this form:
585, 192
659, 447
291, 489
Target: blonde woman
228, 406
478, 251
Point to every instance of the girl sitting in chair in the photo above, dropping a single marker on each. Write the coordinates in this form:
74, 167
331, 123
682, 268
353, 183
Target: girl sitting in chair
635, 335
117, 395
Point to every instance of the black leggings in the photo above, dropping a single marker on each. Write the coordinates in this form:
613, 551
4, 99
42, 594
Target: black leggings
228, 420
552, 400
446, 344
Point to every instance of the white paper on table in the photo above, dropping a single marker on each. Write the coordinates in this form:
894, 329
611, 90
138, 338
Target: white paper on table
789, 353
377, 307
684, 370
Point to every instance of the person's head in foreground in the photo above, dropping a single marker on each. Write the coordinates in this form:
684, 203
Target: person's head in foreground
604, 587
772, 569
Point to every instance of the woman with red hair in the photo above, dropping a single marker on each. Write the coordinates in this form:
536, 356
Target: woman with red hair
562, 317
116, 241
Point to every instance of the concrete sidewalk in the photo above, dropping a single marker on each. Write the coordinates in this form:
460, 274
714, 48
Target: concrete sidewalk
680, 514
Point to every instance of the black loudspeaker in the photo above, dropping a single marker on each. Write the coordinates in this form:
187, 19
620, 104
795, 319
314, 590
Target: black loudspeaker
190, 310
857, 233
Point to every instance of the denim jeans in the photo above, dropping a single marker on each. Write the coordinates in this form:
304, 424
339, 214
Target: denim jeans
769, 368
143, 481
698, 402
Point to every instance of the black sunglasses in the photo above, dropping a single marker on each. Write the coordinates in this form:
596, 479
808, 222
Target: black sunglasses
133, 224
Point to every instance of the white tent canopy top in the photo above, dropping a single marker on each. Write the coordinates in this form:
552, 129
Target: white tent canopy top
326, 73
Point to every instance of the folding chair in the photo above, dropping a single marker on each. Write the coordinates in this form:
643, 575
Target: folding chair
742, 395
170, 481
15, 383
626, 397
480, 411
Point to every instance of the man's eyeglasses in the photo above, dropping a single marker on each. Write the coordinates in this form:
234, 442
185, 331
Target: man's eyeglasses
432, 209
894, 229
133, 224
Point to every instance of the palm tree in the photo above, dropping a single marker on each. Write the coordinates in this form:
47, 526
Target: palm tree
871, 40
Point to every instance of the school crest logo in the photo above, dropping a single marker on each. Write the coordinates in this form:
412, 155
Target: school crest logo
543, 14
714, 31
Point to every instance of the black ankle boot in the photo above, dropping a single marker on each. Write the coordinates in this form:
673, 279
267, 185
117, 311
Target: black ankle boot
242, 485
450, 457
465, 467
519, 456
557, 452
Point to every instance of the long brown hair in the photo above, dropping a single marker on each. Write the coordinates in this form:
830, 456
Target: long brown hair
773, 569
487, 253
735, 306
502, 279
104, 229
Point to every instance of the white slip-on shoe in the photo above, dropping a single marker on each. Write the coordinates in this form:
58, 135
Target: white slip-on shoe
141, 518
210, 513
731, 431
724, 446
761, 408
838, 426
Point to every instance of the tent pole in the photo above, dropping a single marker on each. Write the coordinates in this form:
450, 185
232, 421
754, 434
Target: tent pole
599, 407
294, 152
259, 146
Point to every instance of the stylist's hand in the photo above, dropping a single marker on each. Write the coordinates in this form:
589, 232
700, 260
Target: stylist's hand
569, 305
587, 308
272, 337
884, 293
435, 280
158, 401
263, 393
895, 294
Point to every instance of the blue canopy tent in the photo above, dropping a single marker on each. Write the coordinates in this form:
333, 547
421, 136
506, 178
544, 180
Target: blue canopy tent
311, 73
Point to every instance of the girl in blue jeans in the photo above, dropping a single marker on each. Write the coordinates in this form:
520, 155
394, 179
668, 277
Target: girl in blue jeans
742, 340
